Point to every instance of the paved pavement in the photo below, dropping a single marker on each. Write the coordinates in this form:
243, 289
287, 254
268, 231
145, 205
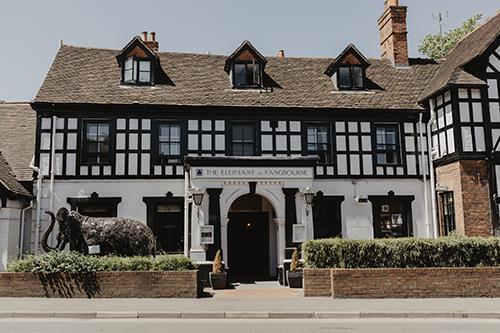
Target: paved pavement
244, 326
260, 300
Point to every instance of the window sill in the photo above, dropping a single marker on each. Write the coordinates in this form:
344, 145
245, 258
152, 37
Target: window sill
346, 91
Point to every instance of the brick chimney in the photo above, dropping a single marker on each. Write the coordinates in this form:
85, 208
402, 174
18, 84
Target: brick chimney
393, 33
150, 41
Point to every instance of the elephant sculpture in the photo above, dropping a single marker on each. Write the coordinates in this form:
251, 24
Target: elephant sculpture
114, 235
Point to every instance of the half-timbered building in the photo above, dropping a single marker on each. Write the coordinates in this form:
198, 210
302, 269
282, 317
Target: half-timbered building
463, 98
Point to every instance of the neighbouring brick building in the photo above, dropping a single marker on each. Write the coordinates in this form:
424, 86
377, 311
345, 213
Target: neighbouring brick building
463, 98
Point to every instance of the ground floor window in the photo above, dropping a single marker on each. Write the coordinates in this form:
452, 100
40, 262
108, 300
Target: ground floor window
327, 219
95, 206
392, 217
448, 211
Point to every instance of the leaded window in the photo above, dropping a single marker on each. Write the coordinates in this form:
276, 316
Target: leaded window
169, 140
247, 74
317, 141
448, 213
243, 139
387, 144
96, 143
350, 77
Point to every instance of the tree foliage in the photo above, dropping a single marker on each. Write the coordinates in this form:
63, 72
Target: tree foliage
437, 46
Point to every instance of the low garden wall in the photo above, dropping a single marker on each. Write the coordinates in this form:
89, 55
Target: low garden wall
71, 274
403, 268
403, 282
137, 284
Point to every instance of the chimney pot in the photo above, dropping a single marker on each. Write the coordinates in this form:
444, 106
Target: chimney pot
145, 36
389, 3
153, 36
281, 54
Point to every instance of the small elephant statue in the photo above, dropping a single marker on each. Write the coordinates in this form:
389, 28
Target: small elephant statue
114, 235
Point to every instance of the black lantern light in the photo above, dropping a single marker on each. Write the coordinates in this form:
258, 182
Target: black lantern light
197, 197
308, 196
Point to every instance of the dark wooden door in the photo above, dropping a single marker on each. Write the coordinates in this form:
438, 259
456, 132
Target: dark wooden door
169, 228
248, 245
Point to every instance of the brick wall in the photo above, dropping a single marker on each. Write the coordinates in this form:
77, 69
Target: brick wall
403, 282
468, 180
181, 284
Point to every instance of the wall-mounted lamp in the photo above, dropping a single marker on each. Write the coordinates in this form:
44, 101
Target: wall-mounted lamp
197, 196
308, 196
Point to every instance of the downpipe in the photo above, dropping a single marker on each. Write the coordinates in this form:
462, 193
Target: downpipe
21, 233
38, 204
424, 175
431, 171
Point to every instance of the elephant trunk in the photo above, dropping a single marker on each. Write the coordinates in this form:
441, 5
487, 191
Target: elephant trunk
45, 237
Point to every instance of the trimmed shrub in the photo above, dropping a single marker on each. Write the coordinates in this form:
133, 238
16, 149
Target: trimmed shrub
402, 252
73, 262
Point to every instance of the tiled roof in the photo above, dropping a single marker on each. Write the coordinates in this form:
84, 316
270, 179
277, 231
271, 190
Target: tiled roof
90, 75
8, 180
17, 137
473, 45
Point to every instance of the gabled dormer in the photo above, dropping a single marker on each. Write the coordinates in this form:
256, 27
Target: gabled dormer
139, 62
245, 67
348, 71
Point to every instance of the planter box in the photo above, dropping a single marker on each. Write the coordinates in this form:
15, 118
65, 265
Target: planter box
218, 280
294, 279
403, 282
140, 284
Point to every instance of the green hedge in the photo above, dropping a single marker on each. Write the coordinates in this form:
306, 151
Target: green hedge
73, 262
402, 253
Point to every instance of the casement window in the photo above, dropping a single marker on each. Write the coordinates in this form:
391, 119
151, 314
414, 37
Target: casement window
350, 77
448, 210
247, 75
387, 145
96, 143
317, 141
137, 71
169, 140
243, 139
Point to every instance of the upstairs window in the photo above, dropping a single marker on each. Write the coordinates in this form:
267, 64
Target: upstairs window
317, 141
243, 139
350, 77
247, 75
169, 140
387, 145
96, 143
137, 71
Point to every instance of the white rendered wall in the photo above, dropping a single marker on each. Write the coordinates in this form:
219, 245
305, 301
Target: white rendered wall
357, 218
131, 192
9, 232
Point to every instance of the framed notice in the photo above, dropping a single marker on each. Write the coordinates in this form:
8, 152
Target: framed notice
207, 234
299, 233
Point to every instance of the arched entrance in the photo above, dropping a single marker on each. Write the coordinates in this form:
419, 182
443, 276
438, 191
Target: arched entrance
251, 237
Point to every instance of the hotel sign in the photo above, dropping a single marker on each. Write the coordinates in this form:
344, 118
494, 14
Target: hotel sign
251, 173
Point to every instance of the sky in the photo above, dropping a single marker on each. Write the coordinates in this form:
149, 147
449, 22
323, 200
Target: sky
32, 29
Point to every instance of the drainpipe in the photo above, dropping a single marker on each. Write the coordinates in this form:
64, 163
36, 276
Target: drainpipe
186, 212
21, 234
431, 170
38, 203
52, 167
424, 174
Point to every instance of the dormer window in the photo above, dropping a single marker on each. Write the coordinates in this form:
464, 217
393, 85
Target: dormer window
348, 70
137, 71
245, 67
350, 77
246, 74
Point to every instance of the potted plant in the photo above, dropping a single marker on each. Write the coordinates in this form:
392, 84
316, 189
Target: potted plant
294, 275
218, 278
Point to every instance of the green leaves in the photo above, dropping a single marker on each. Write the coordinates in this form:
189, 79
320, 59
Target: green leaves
437, 46
402, 253
73, 263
